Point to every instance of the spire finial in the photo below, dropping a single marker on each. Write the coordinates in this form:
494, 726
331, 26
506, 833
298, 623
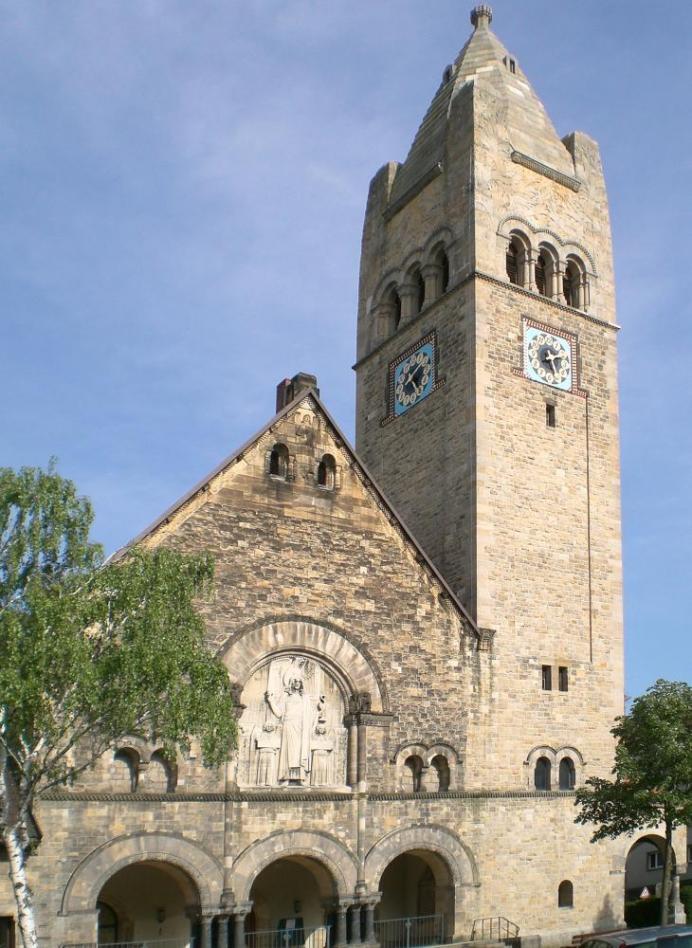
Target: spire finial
481, 16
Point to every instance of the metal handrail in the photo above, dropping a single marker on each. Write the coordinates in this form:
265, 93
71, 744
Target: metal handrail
496, 926
316, 937
411, 931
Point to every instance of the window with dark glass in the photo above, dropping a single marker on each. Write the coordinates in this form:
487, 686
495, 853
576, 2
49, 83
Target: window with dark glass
326, 472
541, 774
563, 678
567, 774
546, 677
565, 894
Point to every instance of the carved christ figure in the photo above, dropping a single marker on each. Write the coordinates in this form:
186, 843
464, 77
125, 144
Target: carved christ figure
294, 708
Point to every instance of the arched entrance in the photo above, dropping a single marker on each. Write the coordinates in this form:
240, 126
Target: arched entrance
293, 904
417, 904
148, 900
643, 883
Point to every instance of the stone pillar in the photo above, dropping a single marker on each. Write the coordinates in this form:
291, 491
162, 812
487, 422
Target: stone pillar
223, 931
206, 922
370, 936
409, 301
530, 270
239, 927
432, 274
352, 768
341, 935
355, 924
362, 755
679, 915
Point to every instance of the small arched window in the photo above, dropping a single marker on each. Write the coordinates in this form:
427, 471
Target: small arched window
541, 274
125, 771
395, 301
567, 774
441, 767
541, 774
442, 261
160, 777
278, 461
413, 773
565, 894
326, 472
512, 261
420, 288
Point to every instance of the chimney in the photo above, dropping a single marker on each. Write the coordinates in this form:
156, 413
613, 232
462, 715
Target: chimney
289, 389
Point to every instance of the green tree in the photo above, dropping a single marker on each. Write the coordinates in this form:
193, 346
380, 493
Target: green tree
652, 783
91, 652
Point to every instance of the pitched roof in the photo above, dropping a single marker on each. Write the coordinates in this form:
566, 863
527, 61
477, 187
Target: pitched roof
483, 59
366, 477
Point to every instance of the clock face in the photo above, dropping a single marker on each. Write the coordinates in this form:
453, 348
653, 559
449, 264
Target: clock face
414, 378
548, 358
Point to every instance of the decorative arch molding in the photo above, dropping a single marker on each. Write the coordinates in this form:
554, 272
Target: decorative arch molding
83, 888
425, 751
510, 223
426, 838
353, 666
283, 844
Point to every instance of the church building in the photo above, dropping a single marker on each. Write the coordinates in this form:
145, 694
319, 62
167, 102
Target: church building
424, 631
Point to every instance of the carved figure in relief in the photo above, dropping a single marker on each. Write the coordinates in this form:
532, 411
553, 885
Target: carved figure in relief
267, 742
292, 731
322, 749
297, 712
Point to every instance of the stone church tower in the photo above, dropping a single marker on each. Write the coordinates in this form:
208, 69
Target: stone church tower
487, 400
424, 633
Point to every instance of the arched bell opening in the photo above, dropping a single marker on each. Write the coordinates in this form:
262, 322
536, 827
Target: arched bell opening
417, 905
294, 902
153, 901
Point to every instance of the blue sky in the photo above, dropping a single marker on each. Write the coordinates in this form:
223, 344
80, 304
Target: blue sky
183, 185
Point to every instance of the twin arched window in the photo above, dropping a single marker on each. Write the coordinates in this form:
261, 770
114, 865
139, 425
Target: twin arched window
416, 776
542, 774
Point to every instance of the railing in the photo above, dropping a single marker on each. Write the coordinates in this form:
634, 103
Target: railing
290, 938
411, 932
139, 943
494, 929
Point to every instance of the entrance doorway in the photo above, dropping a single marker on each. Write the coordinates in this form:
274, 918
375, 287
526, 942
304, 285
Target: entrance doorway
293, 903
417, 906
148, 900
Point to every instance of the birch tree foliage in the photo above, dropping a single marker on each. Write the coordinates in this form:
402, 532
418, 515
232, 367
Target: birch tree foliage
652, 785
91, 652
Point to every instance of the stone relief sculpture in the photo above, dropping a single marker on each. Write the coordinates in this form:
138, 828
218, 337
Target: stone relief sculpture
292, 731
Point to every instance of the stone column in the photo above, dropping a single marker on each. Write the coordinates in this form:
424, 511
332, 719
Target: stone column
679, 916
355, 924
432, 274
223, 931
239, 927
352, 768
409, 301
206, 921
362, 755
341, 935
529, 270
370, 936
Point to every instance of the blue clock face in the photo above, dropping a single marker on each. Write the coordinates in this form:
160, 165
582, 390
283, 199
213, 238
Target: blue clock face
548, 358
414, 378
